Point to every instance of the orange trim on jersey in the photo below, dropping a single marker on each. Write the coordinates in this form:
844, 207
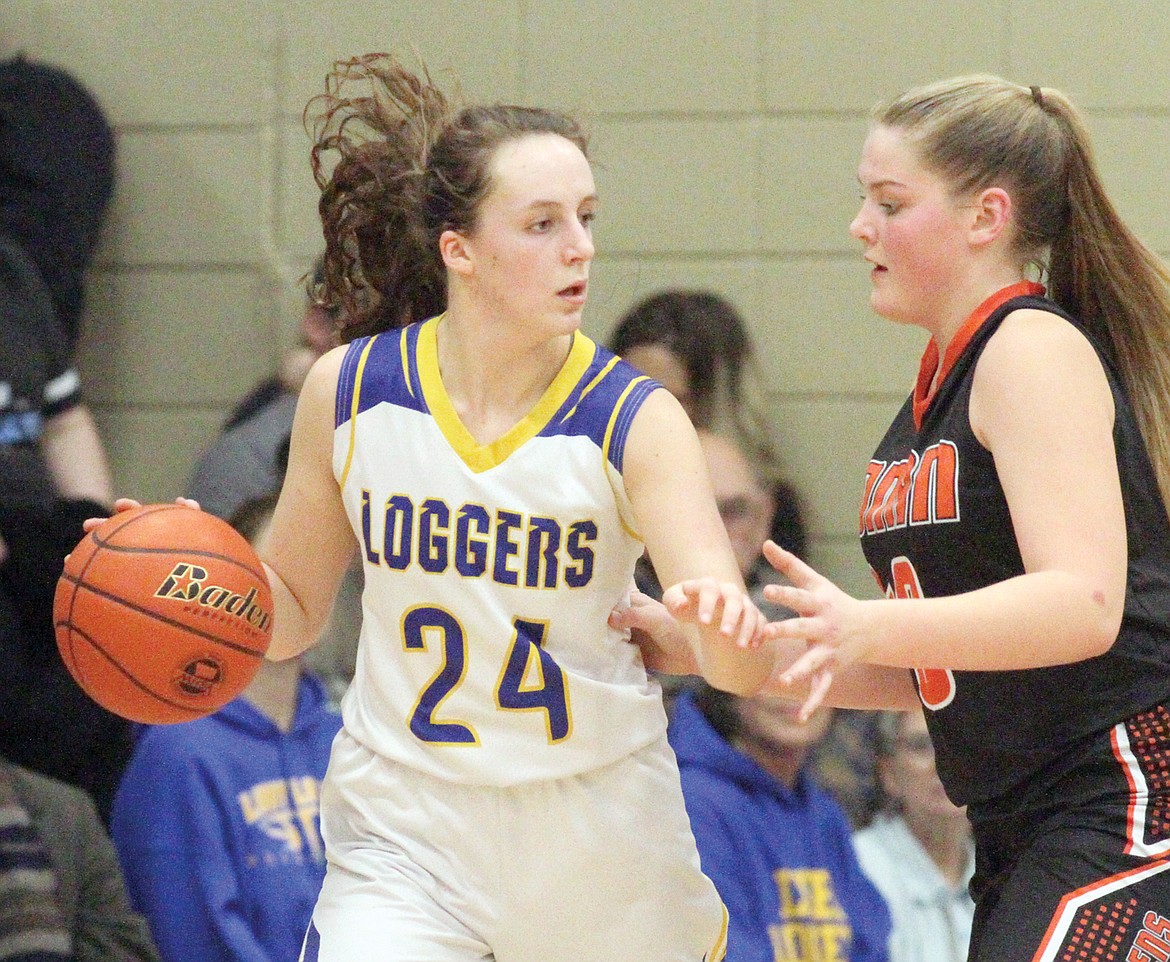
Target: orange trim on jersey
1136, 843
927, 384
1131, 825
353, 409
1066, 912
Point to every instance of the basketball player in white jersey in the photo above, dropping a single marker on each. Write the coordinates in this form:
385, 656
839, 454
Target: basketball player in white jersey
502, 788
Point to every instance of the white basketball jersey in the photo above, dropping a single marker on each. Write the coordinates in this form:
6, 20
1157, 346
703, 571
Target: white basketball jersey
490, 570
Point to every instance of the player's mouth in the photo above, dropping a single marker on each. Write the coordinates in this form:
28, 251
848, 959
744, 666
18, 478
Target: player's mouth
574, 293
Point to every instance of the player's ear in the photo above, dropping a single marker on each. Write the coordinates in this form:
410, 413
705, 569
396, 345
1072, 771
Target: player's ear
456, 252
991, 214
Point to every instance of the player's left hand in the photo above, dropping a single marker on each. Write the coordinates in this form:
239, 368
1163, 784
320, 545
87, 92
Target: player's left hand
828, 621
721, 604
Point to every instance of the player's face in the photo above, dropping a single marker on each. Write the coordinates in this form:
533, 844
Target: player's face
912, 230
533, 239
909, 775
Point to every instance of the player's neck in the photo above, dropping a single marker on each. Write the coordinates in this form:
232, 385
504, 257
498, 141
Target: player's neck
493, 378
965, 299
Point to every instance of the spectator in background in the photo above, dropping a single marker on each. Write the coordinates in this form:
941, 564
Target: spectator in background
50, 449
918, 851
746, 504
57, 159
844, 759
216, 821
697, 346
62, 898
777, 846
56, 162
244, 461
249, 457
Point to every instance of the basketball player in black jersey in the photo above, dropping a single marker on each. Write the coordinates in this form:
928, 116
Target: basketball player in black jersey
1015, 514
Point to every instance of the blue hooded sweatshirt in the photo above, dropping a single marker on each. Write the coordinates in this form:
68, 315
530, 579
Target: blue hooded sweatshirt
217, 830
782, 859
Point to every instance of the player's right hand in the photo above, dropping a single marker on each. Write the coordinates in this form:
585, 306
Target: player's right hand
826, 622
652, 628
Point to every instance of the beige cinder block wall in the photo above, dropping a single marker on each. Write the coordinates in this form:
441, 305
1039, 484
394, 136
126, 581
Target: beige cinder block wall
726, 135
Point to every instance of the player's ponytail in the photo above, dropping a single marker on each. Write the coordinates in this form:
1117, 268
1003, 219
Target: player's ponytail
1101, 273
981, 131
379, 268
409, 167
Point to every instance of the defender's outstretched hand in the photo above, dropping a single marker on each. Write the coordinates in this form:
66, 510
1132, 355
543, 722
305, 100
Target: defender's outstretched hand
827, 621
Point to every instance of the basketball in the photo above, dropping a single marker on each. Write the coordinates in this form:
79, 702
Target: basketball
163, 613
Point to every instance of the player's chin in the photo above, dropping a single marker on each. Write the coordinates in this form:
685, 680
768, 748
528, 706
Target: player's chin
568, 321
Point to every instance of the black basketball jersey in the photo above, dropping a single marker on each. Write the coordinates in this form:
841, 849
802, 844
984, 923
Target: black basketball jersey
934, 522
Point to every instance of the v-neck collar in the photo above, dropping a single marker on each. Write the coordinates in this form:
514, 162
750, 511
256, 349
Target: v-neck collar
927, 385
480, 457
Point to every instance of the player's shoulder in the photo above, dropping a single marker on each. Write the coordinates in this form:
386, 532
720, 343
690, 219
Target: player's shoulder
594, 382
325, 371
1035, 322
600, 396
1035, 343
610, 380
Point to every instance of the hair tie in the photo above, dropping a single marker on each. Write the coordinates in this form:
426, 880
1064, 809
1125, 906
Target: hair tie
1037, 96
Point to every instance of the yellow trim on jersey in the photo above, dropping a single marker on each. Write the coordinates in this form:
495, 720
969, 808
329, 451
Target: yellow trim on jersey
719, 949
402, 350
480, 457
590, 386
617, 409
353, 409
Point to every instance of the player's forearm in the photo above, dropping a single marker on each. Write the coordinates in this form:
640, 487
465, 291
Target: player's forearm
295, 627
859, 686
1031, 621
741, 671
76, 459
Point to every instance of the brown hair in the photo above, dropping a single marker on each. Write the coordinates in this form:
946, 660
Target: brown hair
709, 338
409, 166
981, 131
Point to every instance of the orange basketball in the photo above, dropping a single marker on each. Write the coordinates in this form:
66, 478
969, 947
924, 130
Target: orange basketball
163, 613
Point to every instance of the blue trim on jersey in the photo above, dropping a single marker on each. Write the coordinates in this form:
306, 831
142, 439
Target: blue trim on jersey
595, 407
312, 947
390, 373
601, 405
624, 418
346, 378
412, 377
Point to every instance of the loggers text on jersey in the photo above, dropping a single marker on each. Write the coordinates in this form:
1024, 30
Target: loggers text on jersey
510, 547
